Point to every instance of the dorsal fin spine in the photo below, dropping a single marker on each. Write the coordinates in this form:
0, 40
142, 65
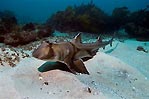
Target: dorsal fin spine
78, 37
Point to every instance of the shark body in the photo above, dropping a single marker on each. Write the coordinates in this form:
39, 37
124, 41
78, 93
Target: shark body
72, 54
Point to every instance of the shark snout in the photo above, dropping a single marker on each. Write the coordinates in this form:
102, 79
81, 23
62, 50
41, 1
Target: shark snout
38, 55
35, 54
41, 53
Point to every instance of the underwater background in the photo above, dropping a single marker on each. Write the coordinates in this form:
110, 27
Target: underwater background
40, 10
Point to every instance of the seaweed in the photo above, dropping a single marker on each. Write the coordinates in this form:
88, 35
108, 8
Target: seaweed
138, 25
84, 18
8, 21
120, 17
90, 18
28, 27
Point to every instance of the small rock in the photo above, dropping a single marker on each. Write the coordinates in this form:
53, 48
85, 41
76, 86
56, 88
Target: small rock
3, 49
133, 88
11, 64
129, 81
60, 90
67, 90
46, 83
140, 48
40, 78
7, 52
89, 90
54, 93
98, 72
135, 79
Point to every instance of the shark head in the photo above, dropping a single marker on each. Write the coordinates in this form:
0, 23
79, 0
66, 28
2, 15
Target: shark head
44, 51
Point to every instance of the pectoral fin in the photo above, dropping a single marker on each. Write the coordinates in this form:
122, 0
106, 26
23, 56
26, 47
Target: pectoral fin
80, 67
70, 65
47, 66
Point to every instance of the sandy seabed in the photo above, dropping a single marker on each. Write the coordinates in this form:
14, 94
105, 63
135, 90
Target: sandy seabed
118, 72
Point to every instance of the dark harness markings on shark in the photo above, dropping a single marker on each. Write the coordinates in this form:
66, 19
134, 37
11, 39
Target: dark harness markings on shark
72, 54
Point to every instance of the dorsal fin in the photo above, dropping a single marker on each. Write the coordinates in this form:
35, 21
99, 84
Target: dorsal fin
77, 38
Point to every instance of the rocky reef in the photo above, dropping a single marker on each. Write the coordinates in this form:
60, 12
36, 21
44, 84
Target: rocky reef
15, 34
82, 18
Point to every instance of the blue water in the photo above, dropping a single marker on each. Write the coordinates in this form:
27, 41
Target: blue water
40, 10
